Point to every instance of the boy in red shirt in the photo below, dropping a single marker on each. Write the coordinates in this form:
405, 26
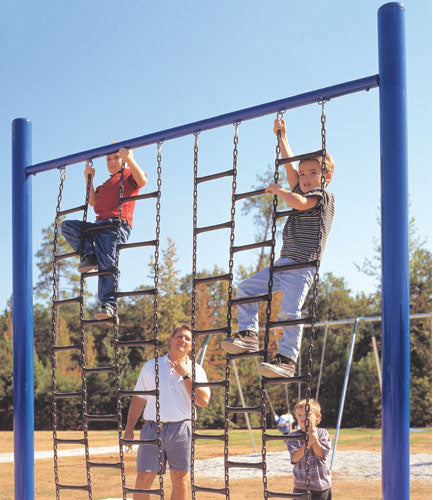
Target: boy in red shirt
99, 250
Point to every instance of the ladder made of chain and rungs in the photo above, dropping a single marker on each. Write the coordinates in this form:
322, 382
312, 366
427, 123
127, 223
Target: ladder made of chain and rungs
117, 343
309, 321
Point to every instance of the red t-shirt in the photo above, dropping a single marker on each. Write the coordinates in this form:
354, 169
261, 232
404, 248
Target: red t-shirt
107, 197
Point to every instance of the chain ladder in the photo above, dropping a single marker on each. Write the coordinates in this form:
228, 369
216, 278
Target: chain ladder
116, 331
312, 333
155, 317
229, 307
54, 314
82, 346
269, 301
193, 309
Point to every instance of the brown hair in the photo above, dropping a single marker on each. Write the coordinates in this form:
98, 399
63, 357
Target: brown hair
329, 162
314, 407
183, 326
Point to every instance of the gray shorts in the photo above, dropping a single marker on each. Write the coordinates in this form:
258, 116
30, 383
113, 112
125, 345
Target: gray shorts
175, 447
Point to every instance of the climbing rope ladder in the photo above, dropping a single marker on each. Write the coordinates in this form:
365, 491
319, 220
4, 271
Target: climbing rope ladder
117, 343
261, 408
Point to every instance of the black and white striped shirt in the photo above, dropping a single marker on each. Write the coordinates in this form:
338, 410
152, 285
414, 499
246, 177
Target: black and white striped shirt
301, 229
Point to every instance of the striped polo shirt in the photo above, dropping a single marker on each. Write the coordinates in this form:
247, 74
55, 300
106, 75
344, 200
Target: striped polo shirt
301, 229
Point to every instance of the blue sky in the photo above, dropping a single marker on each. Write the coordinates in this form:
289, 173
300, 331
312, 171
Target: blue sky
88, 73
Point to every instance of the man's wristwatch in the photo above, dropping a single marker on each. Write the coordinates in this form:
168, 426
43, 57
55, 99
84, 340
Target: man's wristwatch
187, 376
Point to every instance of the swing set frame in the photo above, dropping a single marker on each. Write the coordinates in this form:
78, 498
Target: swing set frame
391, 81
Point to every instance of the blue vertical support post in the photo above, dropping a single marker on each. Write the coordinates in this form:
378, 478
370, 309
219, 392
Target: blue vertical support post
395, 253
22, 312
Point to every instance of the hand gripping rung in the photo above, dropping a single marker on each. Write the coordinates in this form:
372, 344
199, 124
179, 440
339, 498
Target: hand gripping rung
212, 331
66, 301
140, 197
204, 489
288, 267
244, 465
250, 194
69, 441
244, 409
224, 225
67, 395
101, 418
249, 300
150, 291
136, 343
99, 369
284, 380
150, 243
260, 244
71, 210
211, 177
114, 465
72, 487
289, 322
221, 277
276, 494
305, 156
283, 437
247, 355
213, 437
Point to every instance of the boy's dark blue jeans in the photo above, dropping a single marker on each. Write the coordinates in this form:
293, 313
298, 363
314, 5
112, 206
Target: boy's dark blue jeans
102, 244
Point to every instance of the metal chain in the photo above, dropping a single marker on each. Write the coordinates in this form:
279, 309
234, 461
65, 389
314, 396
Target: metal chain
311, 336
82, 346
269, 304
116, 331
229, 308
155, 318
193, 308
54, 314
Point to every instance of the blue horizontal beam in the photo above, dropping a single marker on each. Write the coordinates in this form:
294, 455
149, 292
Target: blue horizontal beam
297, 101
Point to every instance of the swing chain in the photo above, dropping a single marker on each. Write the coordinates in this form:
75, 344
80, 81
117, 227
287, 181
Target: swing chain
54, 313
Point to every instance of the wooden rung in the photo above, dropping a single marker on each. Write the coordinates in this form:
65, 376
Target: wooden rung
150, 243
205, 229
276, 494
220, 383
244, 465
125, 394
99, 369
149, 492
67, 395
250, 194
58, 348
277, 269
131, 442
246, 354
249, 300
71, 210
260, 244
282, 437
136, 343
214, 437
290, 322
212, 331
72, 487
221, 277
305, 156
66, 301
244, 409
150, 291
101, 418
154, 194
204, 489
284, 380
211, 177
69, 441
116, 465
65, 256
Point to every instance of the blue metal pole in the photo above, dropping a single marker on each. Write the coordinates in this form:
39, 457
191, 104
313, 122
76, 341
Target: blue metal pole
395, 253
22, 311
343, 392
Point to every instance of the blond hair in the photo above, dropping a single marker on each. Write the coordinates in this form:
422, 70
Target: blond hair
314, 407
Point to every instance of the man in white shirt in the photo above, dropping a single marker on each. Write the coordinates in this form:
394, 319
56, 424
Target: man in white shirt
175, 386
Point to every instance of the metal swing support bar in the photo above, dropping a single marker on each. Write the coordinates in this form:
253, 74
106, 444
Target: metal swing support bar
297, 101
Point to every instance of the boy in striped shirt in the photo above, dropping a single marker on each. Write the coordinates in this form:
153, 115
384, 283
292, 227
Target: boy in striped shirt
300, 245
319, 445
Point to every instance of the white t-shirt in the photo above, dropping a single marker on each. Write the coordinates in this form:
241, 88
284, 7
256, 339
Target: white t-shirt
174, 399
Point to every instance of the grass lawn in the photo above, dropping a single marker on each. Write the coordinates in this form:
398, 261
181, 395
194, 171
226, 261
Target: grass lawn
106, 482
